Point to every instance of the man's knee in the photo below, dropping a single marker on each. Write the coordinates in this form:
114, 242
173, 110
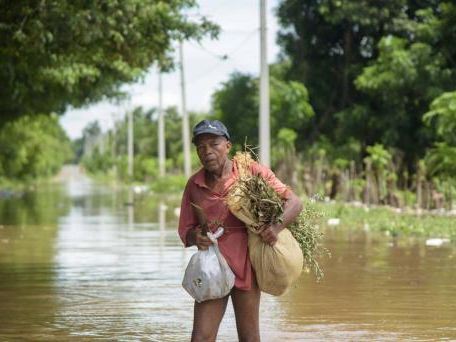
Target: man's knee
203, 336
252, 336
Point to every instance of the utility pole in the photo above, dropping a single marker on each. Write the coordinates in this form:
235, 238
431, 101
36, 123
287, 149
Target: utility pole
113, 144
264, 131
161, 129
130, 143
185, 121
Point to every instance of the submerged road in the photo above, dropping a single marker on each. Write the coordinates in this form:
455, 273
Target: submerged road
78, 264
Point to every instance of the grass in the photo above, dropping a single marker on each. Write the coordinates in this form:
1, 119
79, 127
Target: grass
168, 184
386, 220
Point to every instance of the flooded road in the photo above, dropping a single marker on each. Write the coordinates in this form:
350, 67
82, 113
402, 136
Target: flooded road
77, 263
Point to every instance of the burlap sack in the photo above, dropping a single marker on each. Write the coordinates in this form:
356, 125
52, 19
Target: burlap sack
278, 266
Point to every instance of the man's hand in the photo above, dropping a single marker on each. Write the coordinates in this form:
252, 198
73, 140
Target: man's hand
196, 238
202, 241
270, 234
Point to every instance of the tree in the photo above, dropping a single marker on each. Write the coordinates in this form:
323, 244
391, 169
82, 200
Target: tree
328, 43
33, 147
441, 159
61, 53
236, 104
443, 115
406, 77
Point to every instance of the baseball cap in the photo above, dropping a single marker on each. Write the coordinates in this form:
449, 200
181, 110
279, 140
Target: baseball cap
210, 127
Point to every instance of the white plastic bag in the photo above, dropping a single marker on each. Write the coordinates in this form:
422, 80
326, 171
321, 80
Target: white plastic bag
208, 275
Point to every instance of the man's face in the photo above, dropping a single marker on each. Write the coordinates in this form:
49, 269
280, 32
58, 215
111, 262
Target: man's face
212, 151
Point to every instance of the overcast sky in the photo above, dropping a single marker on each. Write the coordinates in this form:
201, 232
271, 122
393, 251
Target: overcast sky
204, 69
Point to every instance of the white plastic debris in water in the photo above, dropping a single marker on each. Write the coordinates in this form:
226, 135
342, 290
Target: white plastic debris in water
436, 242
333, 221
138, 189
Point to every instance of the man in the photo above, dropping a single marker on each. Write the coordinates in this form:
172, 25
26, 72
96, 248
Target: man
207, 188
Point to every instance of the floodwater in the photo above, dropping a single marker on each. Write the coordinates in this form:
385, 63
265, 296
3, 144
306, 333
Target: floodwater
77, 263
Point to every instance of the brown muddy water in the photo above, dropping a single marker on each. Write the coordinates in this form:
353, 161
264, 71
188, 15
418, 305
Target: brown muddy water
78, 264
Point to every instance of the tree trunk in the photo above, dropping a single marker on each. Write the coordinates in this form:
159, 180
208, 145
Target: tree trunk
347, 57
367, 188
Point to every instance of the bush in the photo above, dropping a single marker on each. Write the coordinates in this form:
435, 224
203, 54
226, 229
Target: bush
170, 183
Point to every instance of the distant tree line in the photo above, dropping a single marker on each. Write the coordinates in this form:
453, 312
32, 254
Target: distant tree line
107, 152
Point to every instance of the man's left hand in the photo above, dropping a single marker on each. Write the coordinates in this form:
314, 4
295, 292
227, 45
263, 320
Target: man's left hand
270, 234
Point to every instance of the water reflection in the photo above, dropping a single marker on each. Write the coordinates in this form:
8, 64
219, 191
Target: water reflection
85, 265
378, 289
41, 207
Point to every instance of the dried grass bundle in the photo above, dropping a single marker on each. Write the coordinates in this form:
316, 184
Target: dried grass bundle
255, 202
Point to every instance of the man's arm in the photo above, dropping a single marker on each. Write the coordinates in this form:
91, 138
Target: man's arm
292, 208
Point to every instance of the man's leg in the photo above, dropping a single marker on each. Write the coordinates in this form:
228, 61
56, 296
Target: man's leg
206, 319
246, 306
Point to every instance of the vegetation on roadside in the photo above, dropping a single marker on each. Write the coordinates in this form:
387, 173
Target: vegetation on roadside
107, 152
390, 221
32, 148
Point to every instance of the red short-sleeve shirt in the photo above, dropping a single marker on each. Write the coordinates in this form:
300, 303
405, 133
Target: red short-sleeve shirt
233, 243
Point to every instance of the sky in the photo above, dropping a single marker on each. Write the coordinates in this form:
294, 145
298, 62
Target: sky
204, 72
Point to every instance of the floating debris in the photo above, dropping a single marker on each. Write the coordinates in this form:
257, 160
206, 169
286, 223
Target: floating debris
333, 222
437, 242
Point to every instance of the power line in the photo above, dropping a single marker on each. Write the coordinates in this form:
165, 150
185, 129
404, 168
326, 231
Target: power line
228, 57
213, 54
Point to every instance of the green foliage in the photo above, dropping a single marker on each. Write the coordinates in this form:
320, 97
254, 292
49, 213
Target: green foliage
379, 157
42, 207
324, 148
33, 147
393, 224
441, 160
306, 231
443, 111
59, 53
97, 161
238, 98
236, 105
122, 168
287, 137
409, 198
408, 74
145, 168
290, 107
106, 152
328, 43
169, 184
